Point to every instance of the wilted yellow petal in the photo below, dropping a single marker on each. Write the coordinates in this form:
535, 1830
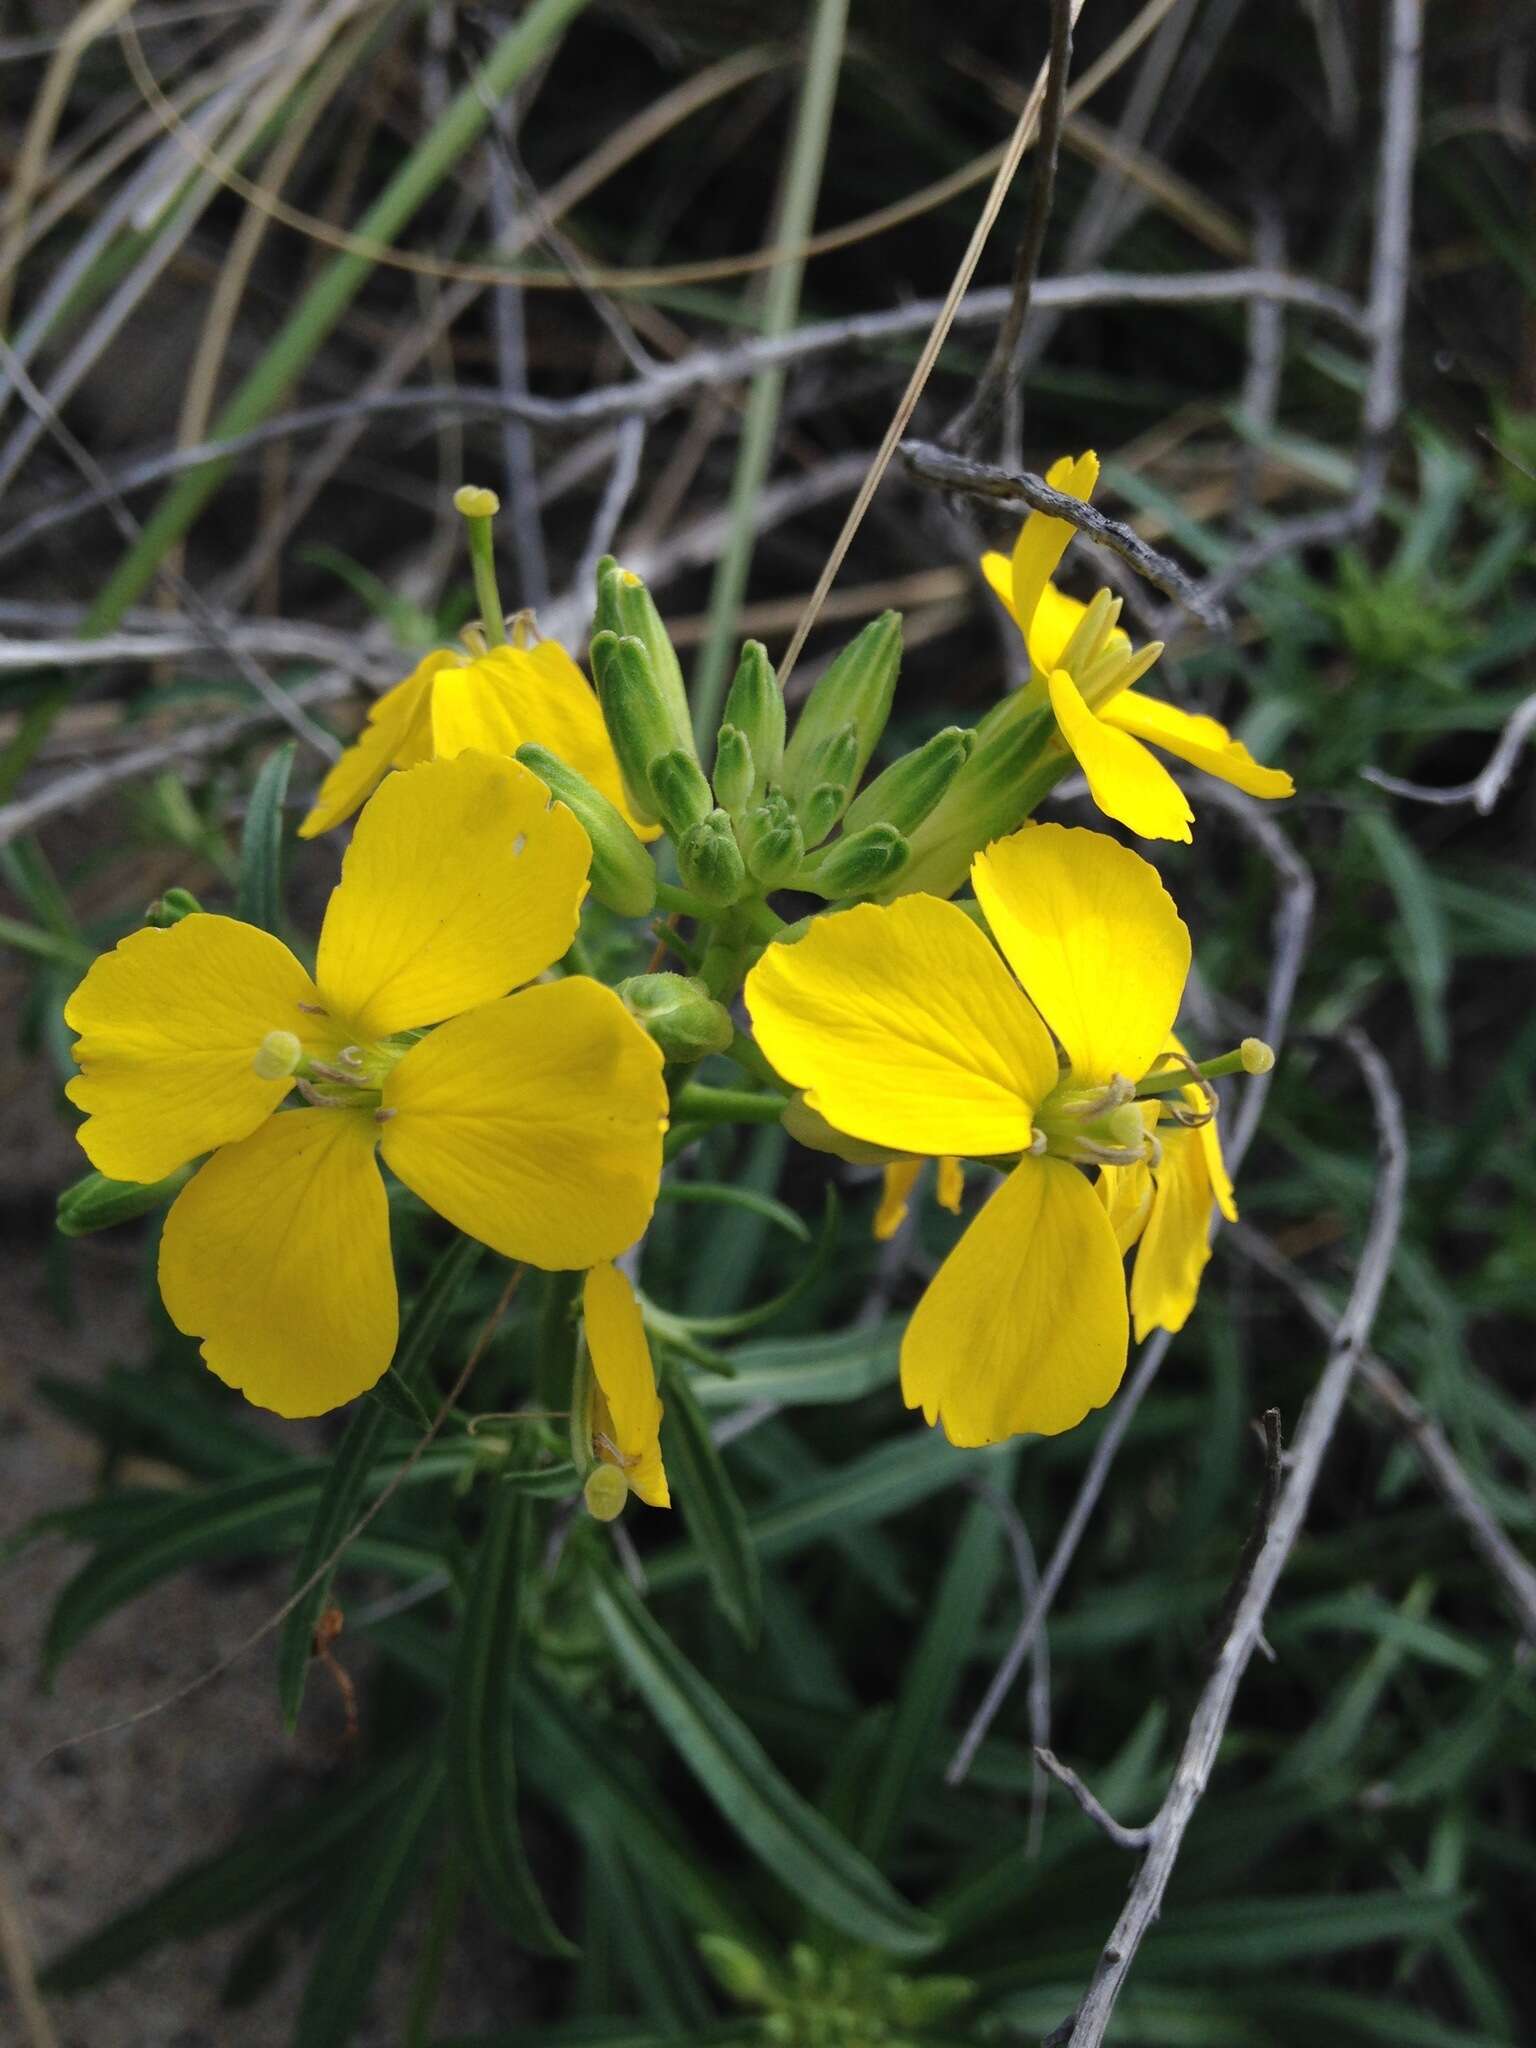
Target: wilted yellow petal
276, 1254
534, 1124
628, 1411
1043, 541
462, 881
170, 1022
1125, 781
397, 735
1024, 1325
1094, 936
1203, 742
950, 1192
904, 1028
895, 1197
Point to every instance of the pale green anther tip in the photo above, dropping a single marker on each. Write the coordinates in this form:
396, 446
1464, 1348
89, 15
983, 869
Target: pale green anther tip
277, 1056
1258, 1057
475, 502
605, 1493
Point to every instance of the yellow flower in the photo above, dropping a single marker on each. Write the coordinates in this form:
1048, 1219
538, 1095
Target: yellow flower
532, 1121
1102, 720
896, 1193
496, 703
906, 1030
624, 1417
1163, 1207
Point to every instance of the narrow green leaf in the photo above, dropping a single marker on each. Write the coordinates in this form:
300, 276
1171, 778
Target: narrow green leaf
802, 1371
668, 1323
1425, 953
266, 1862
793, 1841
721, 1195
712, 1509
367, 1904
482, 1784
355, 1457
259, 895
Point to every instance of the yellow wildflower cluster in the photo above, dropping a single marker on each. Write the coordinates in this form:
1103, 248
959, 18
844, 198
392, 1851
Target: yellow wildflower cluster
446, 1034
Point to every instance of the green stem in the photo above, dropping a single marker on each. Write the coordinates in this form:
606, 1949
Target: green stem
555, 1366
699, 1103
447, 1901
748, 1054
807, 152
670, 897
327, 299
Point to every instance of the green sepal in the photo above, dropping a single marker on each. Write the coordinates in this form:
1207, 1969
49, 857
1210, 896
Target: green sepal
907, 791
96, 1203
679, 791
754, 704
735, 775
171, 908
626, 608
635, 713
623, 874
856, 690
709, 860
821, 810
679, 1013
857, 864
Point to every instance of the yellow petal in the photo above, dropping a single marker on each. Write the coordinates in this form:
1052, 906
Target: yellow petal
1043, 541
534, 1124
1126, 1192
950, 1192
1203, 742
170, 1022
895, 1197
1176, 1243
397, 734
1126, 782
1094, 936
1216, 1170
1057, 618
998, 570
462, 881
628, 1411
904, 1028
1024, 1324
517, 694
276, 1254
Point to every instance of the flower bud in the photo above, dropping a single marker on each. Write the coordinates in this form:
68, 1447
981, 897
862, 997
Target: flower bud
858, 863
741, 1974
171, 908
635, 714
772, 841
908, 790
734, 773
709, 860
856, 691
754, 704
679, 1013
679, 791
96, 1203
1010, 768
821, 810
625, 607
623, 873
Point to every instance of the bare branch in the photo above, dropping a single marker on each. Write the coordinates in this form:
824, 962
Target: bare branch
1516, 1576
1487, 786
968, 428
1023, 491
1318, 1423
1122, 1836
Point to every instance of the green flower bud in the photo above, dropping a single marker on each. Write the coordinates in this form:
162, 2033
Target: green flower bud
772, 842
821, 810
679, 1013
856, 690
1012, 765
734, 774
635, 714
623, 873
858, 863
908, 790
171, 908
626, 608
679, 791
96, 1203
754, 704
741, 1974
709, 861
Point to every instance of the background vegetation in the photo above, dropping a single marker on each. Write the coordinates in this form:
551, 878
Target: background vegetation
733, 1783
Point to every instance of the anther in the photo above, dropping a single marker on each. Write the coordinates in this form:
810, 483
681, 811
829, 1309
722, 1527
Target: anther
311, 1009
351, 1055
382, 1116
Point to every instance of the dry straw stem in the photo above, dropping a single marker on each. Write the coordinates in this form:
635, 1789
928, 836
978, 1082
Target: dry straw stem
1320, 1418
1488, 785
